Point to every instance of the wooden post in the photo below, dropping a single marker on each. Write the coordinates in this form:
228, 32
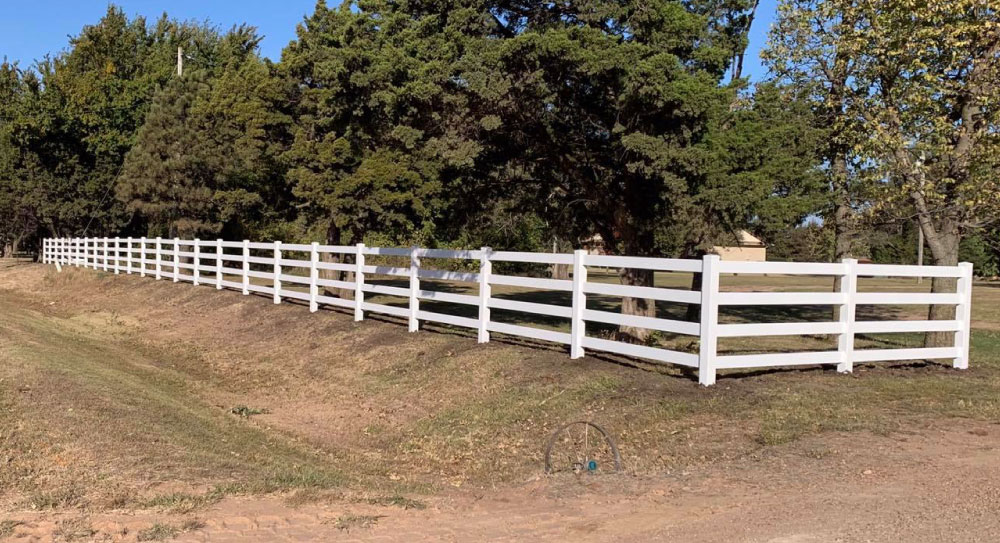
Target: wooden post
158, 249
277, 272
359, 282
414, 289
485, 271
218, 264
246, 267
845, 343
709, 319
963, 314
314, 277
578, 327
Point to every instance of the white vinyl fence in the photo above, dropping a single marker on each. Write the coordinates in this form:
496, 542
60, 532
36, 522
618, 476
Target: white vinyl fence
209, 262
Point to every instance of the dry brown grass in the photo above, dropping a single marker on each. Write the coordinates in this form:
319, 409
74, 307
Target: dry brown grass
118, 391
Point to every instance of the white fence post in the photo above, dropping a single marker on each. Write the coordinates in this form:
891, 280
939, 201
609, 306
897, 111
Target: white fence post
578, 327
118, 256
76, 252
246, 267
314, 277
485, 271
177, 260
963, 314
709, 319
414, 289
142, 256
45, 250
277, 272
105, 255
359, 282
845, 343
158, 250
218, 264
197, 262
128, 256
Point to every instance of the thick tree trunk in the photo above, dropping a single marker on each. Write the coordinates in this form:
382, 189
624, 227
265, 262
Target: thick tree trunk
842, 225
333, 238
693, 312
943, 243
636, 306
558, 271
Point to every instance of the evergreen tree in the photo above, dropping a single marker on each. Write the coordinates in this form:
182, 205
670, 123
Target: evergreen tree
205, 160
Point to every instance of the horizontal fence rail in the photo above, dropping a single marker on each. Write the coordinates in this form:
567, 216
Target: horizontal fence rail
277, 267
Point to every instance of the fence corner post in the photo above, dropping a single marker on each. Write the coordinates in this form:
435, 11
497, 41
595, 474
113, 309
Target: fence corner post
963, 314
218, 264
485, 271
246, 267
709, 320
578, 327
845, 343
314, 277
414, 289
359, 282
277, 272
195, 272
177, 259
159, 258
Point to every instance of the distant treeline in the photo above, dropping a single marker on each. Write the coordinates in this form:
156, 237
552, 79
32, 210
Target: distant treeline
516, 124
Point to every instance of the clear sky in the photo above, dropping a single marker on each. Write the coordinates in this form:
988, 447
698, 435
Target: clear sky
31, 28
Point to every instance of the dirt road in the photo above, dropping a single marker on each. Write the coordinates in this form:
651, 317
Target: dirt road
935, 484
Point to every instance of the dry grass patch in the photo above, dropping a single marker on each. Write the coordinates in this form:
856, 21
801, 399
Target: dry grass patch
370, 413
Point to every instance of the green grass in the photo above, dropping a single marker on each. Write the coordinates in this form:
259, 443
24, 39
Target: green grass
149, 415
158, 532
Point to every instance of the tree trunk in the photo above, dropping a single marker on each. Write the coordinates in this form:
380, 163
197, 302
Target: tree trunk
842, 227
943, 243
636, 306
558, 271
333, 238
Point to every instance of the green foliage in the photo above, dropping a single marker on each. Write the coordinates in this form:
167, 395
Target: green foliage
466, 123
205, 161
985, 257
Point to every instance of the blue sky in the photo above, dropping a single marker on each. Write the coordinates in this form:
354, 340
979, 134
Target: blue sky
31, 28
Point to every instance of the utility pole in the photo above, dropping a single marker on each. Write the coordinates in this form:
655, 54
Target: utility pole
180, 61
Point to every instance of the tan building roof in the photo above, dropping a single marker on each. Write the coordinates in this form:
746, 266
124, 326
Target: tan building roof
746, 239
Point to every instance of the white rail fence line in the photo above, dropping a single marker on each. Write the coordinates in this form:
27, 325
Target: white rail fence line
162, 258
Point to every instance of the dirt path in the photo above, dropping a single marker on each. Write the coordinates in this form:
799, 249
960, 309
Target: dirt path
934, 484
